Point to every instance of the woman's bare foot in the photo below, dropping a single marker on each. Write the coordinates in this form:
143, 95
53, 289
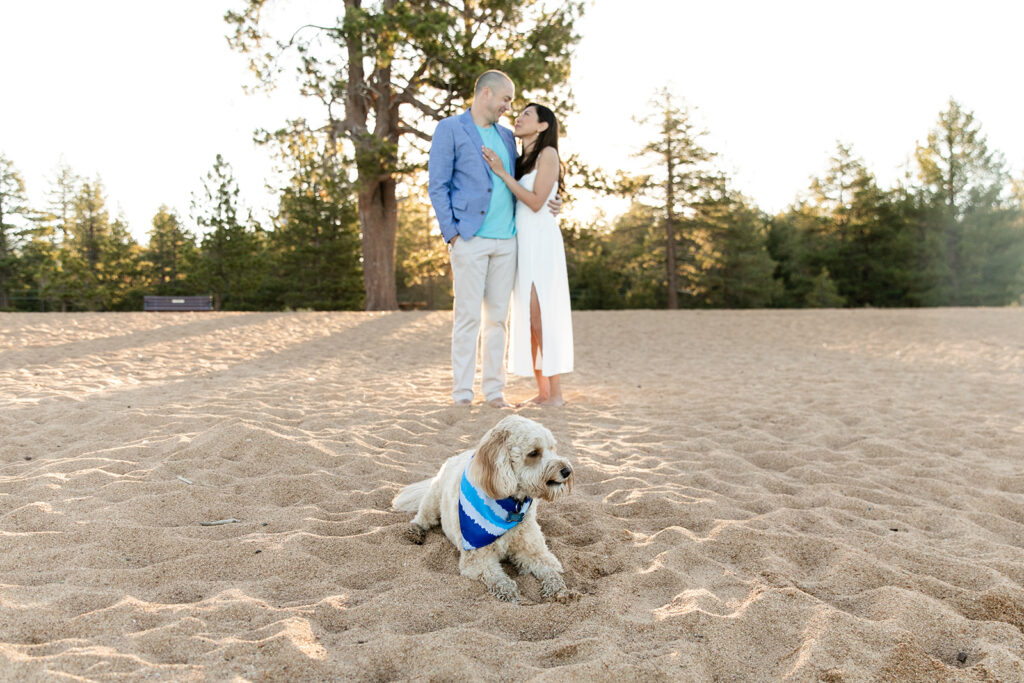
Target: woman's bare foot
543, 401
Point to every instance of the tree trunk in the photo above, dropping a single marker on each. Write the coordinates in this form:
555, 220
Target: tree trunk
378, 206
378, 217
670, 232
953, 228
4, 297
670, 263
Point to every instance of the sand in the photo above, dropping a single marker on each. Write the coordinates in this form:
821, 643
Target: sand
761, 495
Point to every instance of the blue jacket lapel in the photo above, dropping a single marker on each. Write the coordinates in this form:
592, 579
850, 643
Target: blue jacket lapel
466, 119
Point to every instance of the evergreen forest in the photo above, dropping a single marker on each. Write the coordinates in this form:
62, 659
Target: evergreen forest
353, 229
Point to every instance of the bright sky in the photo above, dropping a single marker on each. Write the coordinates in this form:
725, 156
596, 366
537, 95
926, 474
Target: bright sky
145, 94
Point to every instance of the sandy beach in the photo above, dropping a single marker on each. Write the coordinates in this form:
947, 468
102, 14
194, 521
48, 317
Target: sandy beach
832, 495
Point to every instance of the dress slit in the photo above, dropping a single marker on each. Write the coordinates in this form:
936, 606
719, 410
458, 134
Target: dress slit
538, 364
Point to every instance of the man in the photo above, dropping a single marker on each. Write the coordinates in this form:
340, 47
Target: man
476, 212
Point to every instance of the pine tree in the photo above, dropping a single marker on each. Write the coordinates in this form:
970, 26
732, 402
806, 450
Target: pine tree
120, 272
50, 244
315, 242
680, 185
89, 232
231, 262
13, 203
64, 187
169, 256
386, 71
964, 182
863, 241
796, 244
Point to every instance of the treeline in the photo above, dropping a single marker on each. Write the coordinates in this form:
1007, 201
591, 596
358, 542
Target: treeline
950, 233
72, 256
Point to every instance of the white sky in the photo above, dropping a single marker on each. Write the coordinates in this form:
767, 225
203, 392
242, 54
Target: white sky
146, 93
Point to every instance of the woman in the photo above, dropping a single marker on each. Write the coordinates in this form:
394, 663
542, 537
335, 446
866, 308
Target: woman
540, 340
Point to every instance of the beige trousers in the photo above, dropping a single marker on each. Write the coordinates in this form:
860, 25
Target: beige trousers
483, 271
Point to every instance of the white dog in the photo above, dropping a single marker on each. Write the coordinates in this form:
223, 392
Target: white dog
486, 503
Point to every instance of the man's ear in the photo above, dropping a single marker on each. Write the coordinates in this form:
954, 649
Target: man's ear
490, 468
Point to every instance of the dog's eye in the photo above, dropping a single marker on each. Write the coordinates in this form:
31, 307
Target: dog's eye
533, 454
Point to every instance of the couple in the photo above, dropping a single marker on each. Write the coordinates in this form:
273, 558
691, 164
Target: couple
500, 246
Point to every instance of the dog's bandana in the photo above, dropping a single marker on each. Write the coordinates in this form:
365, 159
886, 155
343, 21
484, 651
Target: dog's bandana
484, 520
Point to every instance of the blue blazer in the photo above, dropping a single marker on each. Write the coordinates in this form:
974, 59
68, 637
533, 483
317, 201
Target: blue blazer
459, 178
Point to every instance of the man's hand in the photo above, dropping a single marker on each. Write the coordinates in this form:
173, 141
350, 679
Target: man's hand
555, 205
453, 240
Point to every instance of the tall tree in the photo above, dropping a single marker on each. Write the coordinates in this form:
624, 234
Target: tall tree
833, 192
964, 181
683, 180
88, 234
315, 242
39, 267
386, 70
864, 241
877, 258
120, 272
1016, 293
793, 243
231, 263
50, 241
13, 202
64, 187
170, 253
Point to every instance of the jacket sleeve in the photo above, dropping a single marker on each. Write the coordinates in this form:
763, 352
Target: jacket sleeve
440, 168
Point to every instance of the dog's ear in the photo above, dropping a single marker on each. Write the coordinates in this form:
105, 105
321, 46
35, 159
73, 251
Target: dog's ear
490, 468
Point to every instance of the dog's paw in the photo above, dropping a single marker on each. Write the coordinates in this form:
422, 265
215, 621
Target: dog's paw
567, 595
506, 591
554, 589
416, 534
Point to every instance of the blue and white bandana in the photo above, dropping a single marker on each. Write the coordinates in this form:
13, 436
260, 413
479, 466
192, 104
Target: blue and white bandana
484, 520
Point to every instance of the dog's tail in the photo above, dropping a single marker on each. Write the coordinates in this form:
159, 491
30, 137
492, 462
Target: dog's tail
409, 498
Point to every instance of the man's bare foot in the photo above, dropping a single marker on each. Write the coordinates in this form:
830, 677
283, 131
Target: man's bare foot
463, 402
499, 402
553, 402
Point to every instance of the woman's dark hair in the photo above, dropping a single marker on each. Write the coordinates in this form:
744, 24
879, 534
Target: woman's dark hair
546, 138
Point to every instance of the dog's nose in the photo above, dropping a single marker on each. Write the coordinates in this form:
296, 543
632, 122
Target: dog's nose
566, 471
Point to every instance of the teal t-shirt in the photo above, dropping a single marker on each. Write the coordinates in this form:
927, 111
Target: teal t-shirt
500, 221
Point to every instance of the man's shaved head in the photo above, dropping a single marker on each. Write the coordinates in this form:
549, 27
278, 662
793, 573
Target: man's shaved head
493, 80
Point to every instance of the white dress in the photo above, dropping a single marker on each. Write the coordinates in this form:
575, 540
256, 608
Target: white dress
541, 263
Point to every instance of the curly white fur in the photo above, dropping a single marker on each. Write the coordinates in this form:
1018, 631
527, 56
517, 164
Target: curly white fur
516, 458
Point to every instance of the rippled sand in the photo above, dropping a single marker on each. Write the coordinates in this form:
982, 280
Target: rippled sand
815, 495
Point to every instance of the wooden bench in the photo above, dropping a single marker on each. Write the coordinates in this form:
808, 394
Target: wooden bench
177, 303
